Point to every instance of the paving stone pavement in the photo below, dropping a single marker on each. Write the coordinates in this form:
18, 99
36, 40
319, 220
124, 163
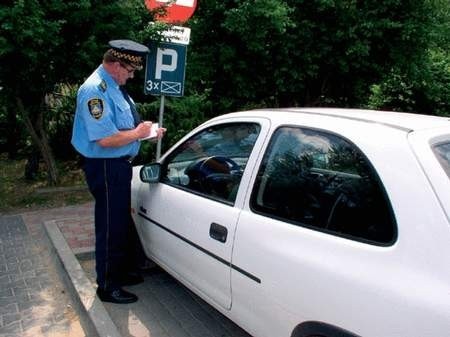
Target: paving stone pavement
166, 309
75, 222
35, 302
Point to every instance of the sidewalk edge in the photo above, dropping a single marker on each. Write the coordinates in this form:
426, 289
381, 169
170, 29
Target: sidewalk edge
83, 287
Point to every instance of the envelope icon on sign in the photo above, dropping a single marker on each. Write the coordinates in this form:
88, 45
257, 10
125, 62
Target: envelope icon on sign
170, 87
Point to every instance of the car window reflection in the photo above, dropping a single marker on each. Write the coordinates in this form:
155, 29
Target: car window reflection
212, 161
442, 152
319, 180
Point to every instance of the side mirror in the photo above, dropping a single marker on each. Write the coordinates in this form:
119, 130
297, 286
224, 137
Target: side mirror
150, 173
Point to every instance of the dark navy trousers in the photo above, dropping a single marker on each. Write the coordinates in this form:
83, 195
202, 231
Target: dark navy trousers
109, 181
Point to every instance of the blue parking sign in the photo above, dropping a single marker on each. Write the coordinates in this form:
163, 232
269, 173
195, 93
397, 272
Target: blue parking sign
165, 70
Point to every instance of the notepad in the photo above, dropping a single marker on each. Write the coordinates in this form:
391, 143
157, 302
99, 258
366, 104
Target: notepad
153, 133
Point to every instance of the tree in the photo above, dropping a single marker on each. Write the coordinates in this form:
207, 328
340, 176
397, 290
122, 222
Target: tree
422, 86
303, 52
243, 54
49, 42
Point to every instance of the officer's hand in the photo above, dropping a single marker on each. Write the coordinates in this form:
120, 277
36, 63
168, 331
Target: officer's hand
160, 132
143, 129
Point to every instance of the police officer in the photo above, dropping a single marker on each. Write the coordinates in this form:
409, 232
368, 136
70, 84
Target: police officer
106, 132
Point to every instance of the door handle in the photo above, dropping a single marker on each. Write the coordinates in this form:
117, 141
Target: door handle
218, 232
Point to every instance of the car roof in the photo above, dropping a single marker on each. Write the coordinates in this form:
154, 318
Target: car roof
399, 120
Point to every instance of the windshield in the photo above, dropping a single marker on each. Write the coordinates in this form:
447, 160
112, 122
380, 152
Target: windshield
442, 152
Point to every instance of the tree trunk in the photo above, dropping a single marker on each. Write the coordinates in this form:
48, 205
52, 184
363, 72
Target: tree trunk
11, 133
40, 142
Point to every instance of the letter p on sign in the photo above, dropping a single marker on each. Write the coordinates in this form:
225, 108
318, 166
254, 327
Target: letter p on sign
170, 54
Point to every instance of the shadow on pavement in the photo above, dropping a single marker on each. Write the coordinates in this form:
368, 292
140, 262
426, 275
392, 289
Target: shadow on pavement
165, 309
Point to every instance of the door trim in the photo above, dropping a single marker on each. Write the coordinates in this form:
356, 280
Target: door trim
203, 250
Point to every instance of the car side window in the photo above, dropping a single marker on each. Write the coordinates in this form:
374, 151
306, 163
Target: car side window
442, 152
211, 162
321, 181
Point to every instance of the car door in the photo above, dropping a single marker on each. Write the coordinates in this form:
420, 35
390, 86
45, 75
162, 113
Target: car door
188, 219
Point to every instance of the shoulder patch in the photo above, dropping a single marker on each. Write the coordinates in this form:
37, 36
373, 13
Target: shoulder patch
95, 106
102, 86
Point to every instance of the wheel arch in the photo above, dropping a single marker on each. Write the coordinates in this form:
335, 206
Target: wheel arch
320, 329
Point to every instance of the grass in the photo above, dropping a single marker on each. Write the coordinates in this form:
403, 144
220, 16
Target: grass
18, 194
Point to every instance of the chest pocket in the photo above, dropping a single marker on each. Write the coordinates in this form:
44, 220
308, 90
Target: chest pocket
124, 116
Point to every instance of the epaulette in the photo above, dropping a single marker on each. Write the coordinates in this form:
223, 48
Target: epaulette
102, 86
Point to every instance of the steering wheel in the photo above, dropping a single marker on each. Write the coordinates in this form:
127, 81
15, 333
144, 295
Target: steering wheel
210, 168
219, 164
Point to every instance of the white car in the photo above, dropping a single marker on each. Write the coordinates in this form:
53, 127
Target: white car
307, 222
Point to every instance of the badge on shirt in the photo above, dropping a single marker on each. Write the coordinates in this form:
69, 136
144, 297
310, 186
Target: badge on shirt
95, 106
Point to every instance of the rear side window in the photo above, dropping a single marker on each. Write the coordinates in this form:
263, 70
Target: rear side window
321, 181
442, 152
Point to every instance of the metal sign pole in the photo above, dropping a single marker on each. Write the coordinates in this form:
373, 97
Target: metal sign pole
161, 112
165, 70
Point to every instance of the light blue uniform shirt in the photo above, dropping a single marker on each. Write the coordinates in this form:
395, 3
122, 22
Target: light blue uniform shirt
101, 112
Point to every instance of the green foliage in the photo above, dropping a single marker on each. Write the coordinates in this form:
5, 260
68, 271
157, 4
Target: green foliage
391, 54
437, 88
297, 52
48, 42
395, 93
427, 90
54, 42
60, 106
421, 84
184, 114
181, 115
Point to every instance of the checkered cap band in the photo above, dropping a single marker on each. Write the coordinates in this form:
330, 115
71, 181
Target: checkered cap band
134, 60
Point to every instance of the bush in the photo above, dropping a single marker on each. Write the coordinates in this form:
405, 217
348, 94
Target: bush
61, 105
181, 115
426, 90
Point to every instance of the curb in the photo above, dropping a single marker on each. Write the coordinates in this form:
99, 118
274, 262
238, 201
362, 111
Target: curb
81, 285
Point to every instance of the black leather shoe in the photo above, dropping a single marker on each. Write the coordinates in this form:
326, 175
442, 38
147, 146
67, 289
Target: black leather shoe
132, 279
118, 296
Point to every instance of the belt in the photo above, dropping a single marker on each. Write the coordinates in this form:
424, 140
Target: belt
127, 158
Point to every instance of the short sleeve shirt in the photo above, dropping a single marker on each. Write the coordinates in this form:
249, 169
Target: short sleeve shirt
101, 111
